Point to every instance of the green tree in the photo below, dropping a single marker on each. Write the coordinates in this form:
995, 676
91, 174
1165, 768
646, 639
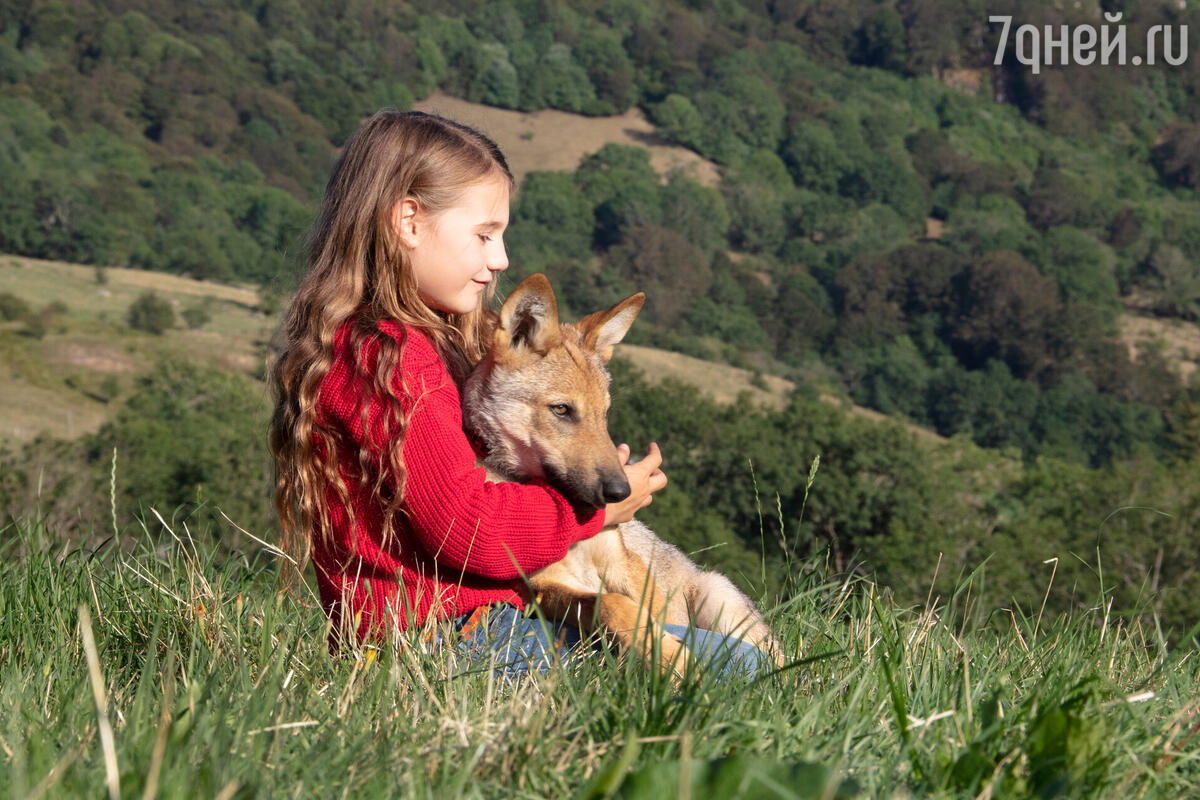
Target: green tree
895, 379
600, 52
873, 228
1082, 267
189, 435
1004, 310
1079, 423
560, 82
741, 111
623, 189
933, 157
496, 82
196, 316
697, 213
990, 405
815, 159
1173, 281
932, 33
883, 296
756, 209
554, 211
882, 41
725, 312
799, 318
1055, 198
679, 120
1177, 156
670, 270
887, 178
991, 222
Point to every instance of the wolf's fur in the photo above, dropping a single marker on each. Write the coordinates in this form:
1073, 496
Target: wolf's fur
625, 579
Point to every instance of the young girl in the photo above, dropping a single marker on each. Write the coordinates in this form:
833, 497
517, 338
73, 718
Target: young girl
376, 481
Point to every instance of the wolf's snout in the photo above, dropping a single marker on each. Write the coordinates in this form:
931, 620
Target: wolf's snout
615, 489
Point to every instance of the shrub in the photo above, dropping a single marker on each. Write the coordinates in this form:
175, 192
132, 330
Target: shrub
151, 313
196, 317
110, 387
12, 307
37, 325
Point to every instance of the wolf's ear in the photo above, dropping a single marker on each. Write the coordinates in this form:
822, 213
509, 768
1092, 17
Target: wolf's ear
529, 317
604, 329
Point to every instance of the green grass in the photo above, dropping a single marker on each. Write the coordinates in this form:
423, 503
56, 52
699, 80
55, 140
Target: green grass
216, 684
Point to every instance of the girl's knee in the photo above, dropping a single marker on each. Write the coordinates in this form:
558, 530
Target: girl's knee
517, 642
724, 655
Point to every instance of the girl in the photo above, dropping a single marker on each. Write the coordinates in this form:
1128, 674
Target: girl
376, 481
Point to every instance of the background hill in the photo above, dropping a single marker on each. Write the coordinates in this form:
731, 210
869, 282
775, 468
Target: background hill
865, 206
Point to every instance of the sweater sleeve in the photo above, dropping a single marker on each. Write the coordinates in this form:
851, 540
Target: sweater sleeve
496, 530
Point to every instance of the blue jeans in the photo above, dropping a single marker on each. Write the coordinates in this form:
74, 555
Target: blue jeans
523, 641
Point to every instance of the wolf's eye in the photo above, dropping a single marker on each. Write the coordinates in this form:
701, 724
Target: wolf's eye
560, 409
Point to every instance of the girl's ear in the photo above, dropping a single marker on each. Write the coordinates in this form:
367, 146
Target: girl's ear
407, 221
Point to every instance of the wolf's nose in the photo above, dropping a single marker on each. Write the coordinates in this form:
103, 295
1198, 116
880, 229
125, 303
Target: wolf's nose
615, 489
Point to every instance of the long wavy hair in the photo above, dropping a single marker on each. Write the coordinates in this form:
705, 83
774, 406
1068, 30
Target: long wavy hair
357, 268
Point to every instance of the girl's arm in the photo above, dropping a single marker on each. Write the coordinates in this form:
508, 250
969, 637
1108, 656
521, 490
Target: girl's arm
496, 530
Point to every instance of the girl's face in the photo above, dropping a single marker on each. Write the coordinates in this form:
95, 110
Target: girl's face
455, 254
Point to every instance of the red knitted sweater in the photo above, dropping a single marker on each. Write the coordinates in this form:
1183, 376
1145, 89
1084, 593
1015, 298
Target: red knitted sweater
460, 542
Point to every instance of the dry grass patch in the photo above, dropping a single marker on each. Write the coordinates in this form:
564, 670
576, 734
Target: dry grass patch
89, 355
30, 409
720, 381
40, 281
557, 140
1180, 340
173, 284
877, 416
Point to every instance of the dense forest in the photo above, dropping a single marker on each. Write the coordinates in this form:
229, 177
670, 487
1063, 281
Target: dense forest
935, 235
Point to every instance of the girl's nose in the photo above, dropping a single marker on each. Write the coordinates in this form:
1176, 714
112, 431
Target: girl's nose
499, 261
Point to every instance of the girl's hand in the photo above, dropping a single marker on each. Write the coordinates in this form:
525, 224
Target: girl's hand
644, 478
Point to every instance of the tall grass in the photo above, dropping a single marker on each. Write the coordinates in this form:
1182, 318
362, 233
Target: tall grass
216, 685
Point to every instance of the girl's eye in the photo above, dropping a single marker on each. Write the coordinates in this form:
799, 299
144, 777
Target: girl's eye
560, 409
483, 237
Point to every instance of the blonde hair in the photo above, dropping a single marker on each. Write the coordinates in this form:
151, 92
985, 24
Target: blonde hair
358, 268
